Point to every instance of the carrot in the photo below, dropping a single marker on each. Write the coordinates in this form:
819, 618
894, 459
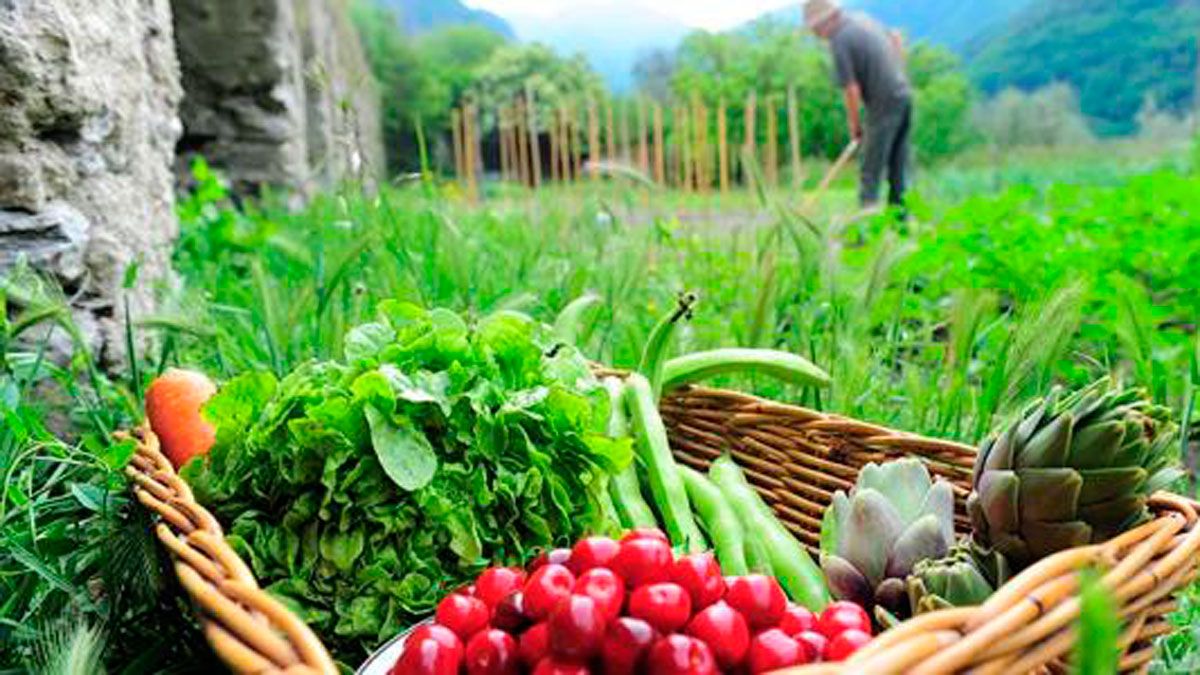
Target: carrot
173, 403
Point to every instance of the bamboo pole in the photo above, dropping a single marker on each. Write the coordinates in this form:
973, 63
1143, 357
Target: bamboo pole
660, 167
626, 148
750, 142
772, 158
722, 147
566, 143
610, 135
643, 150
456, 132
469, 150
593, 137
556, 123
535, 155
794, 137
502, 137
699, 131
521, 136
576, 129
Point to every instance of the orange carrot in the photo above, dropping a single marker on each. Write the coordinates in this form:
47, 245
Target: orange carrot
173, 403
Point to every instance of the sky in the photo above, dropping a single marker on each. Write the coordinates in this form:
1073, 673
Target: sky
707, 14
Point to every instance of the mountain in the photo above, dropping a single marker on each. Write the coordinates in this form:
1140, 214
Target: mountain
1113, 52
422, 16
611, 36
952, 23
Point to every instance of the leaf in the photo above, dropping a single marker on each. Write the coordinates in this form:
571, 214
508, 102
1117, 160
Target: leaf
403, 451
1096, 650
116, 455
365, 342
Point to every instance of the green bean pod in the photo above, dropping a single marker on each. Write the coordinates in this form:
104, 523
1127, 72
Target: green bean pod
719, 521
666, 483
790, 563
705, 365
569, 321
632, 509
654, 354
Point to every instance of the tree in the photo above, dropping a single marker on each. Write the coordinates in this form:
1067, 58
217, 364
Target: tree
653, 72
554, 80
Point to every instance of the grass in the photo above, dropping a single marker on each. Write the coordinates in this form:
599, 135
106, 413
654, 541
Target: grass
1007, 280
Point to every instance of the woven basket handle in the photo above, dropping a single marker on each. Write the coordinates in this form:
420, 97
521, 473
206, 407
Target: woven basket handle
248, 629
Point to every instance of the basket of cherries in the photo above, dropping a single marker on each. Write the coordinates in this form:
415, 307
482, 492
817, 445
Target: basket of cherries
624, 608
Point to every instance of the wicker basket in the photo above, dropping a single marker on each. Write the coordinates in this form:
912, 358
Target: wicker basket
797, 459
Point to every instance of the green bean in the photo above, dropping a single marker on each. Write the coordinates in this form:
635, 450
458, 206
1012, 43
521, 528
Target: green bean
632, 509
570, 319
666, 484
790, 563
718, 520
704, 365
654, 354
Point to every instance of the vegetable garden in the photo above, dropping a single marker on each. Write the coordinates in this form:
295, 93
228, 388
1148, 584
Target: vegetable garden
415, 390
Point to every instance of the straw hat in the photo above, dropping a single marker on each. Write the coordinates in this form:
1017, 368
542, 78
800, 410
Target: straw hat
817, 12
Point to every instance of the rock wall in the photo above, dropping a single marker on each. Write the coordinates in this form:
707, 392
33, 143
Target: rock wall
88, 127
277, 92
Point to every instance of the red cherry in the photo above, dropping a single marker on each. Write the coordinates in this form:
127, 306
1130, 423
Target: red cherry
592, 552
643, 561
545, 589
492, 652
759, 598
577, 628
665, 606
797, 619
429, 656
552, 666
839, 617
534, 644
509, 613
605, 587
437, 632
700, 576
773, 649
626, 645
681, 655
841, 647
646, 533
463, 614
496, 583
724, 631
814, 644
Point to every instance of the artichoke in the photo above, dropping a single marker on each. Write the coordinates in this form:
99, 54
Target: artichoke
870, 540
1070, 471
966, 576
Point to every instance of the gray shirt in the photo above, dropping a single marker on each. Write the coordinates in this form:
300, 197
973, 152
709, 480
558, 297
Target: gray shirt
863, 54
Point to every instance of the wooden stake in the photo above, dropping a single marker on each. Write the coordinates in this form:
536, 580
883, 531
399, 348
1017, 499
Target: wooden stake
593, 149
521, 136
576, 129
556, 123
686, 141
772, 158
626, 151
722, 147
610, 133
700, 151
660, 167
794, 137
469, 150
456, 132
750, 141
643, 151
535, 155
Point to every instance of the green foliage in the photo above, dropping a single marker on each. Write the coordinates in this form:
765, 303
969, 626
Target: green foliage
1099, 626
1112, 51
1046, 117
771, 55
554, 80
362, 491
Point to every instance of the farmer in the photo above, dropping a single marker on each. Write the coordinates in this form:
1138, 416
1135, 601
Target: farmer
869, 66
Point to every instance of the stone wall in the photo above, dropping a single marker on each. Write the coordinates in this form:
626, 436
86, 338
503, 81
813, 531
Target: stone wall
92, 94
88, 126
277, 92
